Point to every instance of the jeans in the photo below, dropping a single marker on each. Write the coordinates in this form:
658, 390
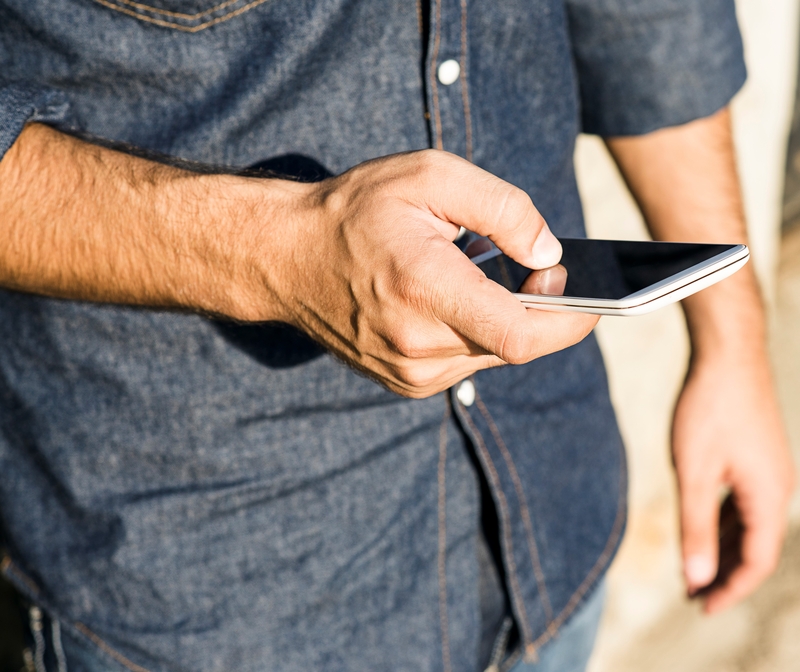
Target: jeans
571, 650
59, 651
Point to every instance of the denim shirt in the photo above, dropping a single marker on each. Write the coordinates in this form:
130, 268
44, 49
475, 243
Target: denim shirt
187, 494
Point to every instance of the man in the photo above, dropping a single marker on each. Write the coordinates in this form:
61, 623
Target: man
191, 482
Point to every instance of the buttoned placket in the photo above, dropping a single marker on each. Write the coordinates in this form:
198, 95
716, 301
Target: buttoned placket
470, 418
451, 130
447, 78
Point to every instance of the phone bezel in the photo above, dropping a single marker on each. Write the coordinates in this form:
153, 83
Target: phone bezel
669, 290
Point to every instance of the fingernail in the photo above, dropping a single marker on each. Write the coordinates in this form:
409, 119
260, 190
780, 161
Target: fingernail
546, 250
699, 570
553, 280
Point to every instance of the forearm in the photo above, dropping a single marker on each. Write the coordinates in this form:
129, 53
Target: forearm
84, 222
685, 182
362, 262
726, 430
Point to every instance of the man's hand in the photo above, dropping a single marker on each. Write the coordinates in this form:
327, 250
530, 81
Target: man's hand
727, 431
363, 262
730, 440
378, 280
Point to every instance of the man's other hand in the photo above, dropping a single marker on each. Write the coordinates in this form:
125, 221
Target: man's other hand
728, 434
727, 431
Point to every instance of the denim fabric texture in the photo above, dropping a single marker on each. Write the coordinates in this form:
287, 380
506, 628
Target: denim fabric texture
570, 651
181, 493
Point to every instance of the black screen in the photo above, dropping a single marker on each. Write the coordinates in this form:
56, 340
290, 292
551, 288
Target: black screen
609, 269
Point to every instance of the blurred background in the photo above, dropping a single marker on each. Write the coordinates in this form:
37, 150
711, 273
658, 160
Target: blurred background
648, 623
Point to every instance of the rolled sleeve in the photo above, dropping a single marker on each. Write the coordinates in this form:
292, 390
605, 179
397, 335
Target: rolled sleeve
21, 103
647, 64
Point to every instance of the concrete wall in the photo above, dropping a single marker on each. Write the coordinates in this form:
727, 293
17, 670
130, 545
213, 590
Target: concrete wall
647, 358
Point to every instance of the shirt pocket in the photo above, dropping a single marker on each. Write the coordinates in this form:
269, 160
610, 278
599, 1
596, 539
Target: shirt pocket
190, 16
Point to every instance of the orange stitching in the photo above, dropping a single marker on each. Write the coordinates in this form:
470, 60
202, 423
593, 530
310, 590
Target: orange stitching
526, 516
435, 89
175, 26
8, 568
507, 542
511, 661
108, 650
419, 16
442, 555
604, 558
177, 15
463, 77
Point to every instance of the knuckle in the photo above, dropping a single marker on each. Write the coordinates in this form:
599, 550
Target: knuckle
697, 476
410, 344
334, 195
416, 378
515, 346
517, 208
429, 159
406, 285
423, 393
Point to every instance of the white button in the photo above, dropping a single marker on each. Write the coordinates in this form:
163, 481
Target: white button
448, 72
466, 393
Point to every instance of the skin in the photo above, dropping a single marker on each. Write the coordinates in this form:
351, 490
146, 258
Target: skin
727, 433
363, 263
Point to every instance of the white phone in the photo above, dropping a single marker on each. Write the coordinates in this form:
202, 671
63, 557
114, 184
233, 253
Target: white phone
615, 277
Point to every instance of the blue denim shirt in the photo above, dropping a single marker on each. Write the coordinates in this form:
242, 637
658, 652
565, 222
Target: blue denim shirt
186, 494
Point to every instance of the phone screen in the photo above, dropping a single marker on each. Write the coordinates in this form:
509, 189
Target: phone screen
608, 269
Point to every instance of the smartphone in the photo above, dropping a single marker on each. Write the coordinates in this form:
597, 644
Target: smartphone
614, 277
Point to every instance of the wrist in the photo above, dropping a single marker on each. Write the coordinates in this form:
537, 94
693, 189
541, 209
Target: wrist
727, 322
232, 238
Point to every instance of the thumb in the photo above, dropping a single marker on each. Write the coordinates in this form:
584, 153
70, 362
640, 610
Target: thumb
483, 203
699, 533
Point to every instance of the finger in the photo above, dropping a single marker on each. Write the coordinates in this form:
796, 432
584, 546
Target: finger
415, 341
699, 531
447, 286
760, 553
491, 317
416, 378
459, 192
550, 281
419, 380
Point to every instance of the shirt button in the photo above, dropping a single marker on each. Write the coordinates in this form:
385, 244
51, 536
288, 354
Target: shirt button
466, 393
448, 72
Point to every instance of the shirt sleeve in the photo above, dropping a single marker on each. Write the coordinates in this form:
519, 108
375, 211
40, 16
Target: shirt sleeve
647, 64
21, 103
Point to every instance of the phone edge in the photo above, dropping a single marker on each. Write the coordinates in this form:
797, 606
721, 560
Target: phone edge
677, 294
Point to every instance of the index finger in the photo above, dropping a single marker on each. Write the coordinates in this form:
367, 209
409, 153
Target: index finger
491, 317
462, 194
